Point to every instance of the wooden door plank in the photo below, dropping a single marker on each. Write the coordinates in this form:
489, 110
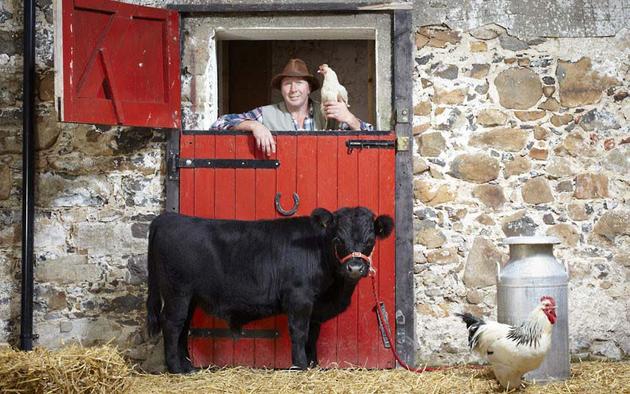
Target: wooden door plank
347, 196
264, 349
187, 177
286, 185
387, 247
367, 332
203, 206
245, 210
224, 201
306, 174
327, 198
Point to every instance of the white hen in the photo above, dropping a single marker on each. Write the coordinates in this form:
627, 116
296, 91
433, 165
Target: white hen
331, 90
513, 350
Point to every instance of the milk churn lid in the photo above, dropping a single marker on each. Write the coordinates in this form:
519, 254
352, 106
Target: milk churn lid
532, 240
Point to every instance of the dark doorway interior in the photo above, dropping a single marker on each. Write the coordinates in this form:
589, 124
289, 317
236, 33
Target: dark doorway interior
247, 66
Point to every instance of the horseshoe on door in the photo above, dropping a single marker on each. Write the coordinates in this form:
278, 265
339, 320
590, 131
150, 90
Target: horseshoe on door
293, 210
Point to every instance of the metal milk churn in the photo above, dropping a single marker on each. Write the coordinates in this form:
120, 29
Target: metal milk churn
532, 272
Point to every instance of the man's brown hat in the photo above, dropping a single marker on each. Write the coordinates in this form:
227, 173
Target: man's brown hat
296, 68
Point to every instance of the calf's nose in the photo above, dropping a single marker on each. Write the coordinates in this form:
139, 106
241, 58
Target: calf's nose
355, 269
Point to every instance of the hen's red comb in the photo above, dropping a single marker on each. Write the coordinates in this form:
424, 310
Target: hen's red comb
550, 298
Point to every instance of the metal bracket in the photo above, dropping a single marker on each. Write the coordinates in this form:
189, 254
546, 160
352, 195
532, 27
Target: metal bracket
174, 163
227, 163
383, 324
227, 333
402, 115
402, 144
172, 171
369, 144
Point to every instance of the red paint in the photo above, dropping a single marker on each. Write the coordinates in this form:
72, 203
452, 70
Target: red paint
325, 175
120, 64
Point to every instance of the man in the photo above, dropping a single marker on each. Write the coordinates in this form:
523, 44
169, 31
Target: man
296, 112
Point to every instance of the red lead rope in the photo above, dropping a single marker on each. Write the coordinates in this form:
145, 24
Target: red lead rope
385, 327
381, 322
379, 313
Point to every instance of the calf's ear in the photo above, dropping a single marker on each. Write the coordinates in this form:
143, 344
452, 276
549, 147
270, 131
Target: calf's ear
322, 218
383, 226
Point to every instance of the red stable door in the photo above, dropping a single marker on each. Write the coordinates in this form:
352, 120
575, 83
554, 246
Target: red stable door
227, 178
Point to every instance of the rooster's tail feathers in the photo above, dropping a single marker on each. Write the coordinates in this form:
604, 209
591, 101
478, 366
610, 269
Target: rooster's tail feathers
472, 323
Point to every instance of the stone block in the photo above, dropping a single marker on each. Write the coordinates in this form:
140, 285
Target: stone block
431, 144
537, 191
540, 133
612, 224
618, 160
518, 88
481, 264
529, 116
6, 181
539, 153
560, 167
490, 195
589, 186
478, 46
598, 120
561, 120
70, 269
56, 191
449, 97
475, 167
548, 91
491, 117
108, 238
551, 104
503, 138
423, 108
567, 233
443, 256
517, 166
577, 211
579, 84
518, 224
431, 194
479, 71
430, 236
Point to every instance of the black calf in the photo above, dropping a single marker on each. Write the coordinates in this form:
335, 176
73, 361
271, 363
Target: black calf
240, 271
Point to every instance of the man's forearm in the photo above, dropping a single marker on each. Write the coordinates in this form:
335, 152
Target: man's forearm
246, 125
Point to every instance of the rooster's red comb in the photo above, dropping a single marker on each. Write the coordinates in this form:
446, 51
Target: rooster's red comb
550, 298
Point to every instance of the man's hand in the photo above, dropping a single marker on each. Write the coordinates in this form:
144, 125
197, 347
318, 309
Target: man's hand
262, 135
339, 111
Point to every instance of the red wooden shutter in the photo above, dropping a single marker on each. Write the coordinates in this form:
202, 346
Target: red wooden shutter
118, 64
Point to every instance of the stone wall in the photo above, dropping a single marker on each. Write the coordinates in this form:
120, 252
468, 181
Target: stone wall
513, 135
520, 137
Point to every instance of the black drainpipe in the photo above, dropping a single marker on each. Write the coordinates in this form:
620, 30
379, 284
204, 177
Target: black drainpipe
28, 153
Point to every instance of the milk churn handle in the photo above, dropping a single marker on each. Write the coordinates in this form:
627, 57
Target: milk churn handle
566, 266
498, 269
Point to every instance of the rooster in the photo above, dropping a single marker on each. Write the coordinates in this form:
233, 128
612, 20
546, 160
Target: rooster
332, 90
513, 350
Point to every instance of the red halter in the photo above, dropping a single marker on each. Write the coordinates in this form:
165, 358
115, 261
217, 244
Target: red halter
368, 259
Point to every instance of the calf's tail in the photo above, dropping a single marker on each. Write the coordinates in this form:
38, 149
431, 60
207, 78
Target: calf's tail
154, 300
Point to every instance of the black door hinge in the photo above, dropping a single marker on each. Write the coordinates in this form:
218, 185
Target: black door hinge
174, 163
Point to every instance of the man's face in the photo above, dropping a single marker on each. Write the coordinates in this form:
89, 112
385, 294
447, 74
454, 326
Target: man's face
295, 91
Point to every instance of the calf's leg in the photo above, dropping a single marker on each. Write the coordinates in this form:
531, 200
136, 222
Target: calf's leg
175, 315
299, 318
311, 343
